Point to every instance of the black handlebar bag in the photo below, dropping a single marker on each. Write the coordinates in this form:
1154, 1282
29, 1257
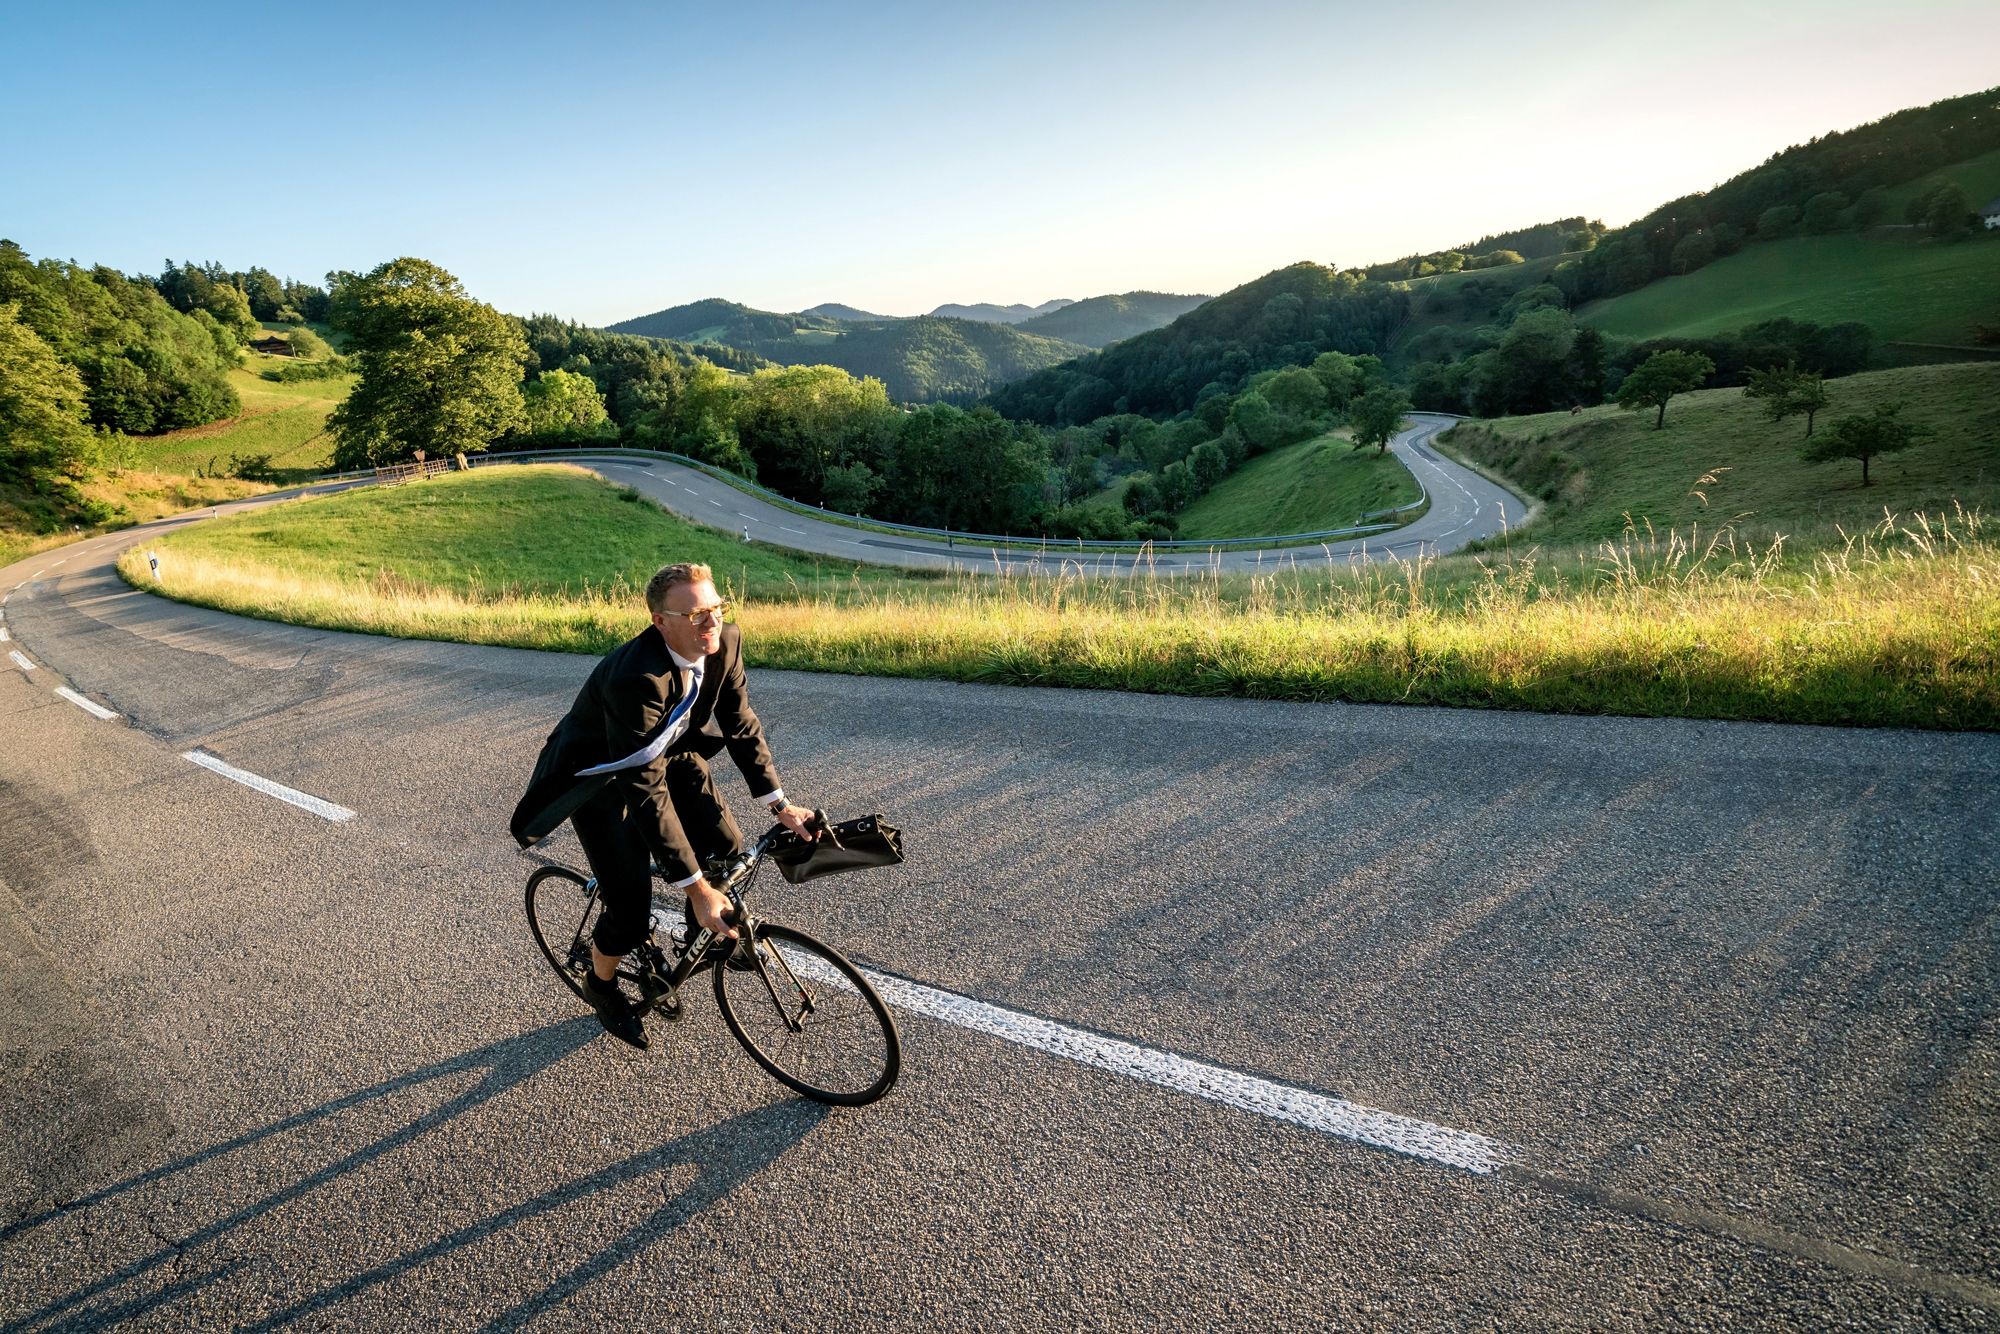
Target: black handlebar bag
850, 845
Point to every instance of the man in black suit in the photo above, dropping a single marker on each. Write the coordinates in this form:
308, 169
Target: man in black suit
628, 768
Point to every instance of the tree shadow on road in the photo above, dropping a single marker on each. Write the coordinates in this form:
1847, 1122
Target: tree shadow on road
725, 1156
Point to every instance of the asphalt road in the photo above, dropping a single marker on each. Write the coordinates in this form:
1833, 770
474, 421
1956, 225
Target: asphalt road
1724, 993
1464, 507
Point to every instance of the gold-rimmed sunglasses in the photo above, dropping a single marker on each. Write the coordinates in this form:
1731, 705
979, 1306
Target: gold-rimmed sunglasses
715, 614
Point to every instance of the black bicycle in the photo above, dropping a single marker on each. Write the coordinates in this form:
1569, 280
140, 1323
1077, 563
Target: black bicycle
798, 1006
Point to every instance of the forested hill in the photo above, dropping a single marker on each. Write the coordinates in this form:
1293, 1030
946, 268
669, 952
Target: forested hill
927, 359
717, 321
1836, 182
833, 310
919, 360
1107, 319
1284, 318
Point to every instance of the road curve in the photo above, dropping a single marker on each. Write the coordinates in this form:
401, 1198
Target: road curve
1464, 507
1716, 998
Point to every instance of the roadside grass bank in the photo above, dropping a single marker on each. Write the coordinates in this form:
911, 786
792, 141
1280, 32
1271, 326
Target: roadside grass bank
1719, 461
29, 522
1896, 625
1307, 487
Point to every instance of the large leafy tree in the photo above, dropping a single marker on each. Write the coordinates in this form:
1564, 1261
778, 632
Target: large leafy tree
565, 405
1882, 431
440, 371
1377, 415
1787, 391
43, 439
1659, 377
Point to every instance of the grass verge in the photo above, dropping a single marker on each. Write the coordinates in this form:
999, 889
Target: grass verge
1897, 626
1308, 487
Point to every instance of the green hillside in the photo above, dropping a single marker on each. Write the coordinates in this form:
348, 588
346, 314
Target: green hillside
1303, 488
1597, 468
919, 360
1106, 319
286, 422
1907, 287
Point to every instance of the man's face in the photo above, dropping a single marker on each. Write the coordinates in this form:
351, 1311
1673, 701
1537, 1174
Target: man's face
691, 638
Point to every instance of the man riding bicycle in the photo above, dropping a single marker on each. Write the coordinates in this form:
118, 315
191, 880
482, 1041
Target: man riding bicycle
628, 768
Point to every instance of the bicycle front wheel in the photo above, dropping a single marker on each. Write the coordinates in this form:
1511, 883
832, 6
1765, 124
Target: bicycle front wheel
809, 1017
562, 908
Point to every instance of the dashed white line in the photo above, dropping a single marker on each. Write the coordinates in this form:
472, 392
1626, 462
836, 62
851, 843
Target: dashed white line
1281, 1102
4, 636
800, 531
716, 503
305, 801
20, 661
741, 515
87, 705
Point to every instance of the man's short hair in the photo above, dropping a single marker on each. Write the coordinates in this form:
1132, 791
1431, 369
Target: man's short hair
671, 577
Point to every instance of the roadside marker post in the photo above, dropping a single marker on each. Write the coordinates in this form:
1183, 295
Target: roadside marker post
153, 559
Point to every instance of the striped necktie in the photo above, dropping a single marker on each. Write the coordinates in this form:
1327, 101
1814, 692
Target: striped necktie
670, 731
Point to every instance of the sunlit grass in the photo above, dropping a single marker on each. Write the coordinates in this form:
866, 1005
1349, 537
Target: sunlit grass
1898, 624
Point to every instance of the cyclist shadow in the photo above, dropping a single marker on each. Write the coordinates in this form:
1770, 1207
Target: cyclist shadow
725, 1156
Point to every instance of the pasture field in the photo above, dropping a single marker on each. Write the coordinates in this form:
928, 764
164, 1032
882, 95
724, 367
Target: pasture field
1907, 287
1897, 626
285, 421
1313, 485
1719, 461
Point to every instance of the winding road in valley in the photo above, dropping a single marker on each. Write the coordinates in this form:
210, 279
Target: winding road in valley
1464, 507
1235, 1014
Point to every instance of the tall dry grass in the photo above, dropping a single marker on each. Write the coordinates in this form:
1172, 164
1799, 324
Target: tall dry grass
1895, 626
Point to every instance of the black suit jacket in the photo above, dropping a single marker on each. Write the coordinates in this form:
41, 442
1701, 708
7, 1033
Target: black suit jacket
619, 711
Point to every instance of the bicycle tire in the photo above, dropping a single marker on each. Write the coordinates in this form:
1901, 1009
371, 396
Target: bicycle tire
574, 899
843, 1017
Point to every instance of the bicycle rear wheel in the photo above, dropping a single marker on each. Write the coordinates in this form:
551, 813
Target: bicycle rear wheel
811, 1020
562, 910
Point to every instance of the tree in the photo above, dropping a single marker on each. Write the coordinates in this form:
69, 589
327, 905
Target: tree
440, 371
1824, 212
1296, 392
1788, 391
1949, 212
1586, 366
1871, 206
43, 439
1256, 421
850, 487
1777, 221
1882, 431
1208, 464
306, 343
1661, 376
564, 405
1694, 250
1377, 415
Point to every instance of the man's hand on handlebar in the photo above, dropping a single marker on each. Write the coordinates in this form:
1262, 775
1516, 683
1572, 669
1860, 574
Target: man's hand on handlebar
711, 908
797, 819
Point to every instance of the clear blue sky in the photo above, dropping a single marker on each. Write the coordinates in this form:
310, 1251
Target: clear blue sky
605, 160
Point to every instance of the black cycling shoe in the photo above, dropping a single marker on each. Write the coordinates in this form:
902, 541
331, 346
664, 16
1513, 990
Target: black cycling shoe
614, 1011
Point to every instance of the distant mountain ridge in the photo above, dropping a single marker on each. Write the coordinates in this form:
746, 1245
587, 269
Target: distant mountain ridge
833, 310
1103, 320
988, 313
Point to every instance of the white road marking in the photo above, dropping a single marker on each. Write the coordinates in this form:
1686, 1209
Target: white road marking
1281, 1102
87, 705
325, 810
60, 562
800, 531
4, 636
741, 515
20, 661
716, 503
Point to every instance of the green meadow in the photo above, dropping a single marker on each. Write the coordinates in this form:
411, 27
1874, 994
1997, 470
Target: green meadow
1313, 485
1905, 286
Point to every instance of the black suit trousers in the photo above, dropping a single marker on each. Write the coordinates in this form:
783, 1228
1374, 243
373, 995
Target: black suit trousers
614, 840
